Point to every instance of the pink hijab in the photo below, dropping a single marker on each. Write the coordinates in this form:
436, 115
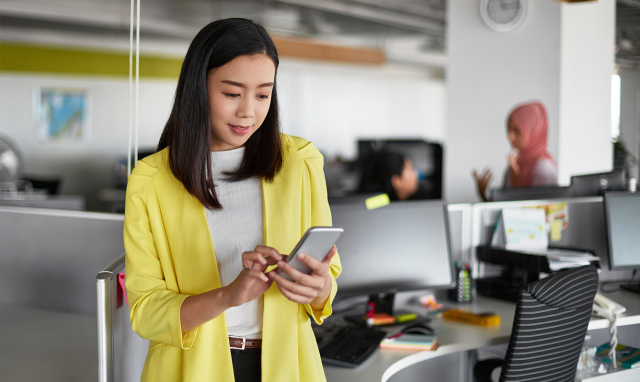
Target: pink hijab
531, 119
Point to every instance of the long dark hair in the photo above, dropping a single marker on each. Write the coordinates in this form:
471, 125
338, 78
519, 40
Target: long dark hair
188, 130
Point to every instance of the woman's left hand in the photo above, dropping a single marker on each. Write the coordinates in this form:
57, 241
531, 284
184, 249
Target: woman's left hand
313, 289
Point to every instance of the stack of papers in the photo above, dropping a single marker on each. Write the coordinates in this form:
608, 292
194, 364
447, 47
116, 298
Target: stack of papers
410, 342
564, 258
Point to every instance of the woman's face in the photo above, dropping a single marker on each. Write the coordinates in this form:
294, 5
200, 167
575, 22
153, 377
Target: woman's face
239, 98
515, 137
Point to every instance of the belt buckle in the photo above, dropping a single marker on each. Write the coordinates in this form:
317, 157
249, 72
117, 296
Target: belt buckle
244, 340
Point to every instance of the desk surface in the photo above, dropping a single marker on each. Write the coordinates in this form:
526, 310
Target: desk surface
461, 337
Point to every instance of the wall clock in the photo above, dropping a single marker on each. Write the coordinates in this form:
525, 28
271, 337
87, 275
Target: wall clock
503, 15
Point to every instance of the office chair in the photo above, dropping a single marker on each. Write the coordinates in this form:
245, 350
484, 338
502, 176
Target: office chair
549, 328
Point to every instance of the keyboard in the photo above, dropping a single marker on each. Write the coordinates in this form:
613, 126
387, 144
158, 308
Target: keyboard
350, 346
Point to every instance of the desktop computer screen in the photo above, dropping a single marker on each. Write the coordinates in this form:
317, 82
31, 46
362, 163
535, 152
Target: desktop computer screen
622, 211
597, 184
401, 246
426, 158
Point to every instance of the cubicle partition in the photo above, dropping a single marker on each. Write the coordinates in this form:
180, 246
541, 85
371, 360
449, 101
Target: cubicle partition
48, 262
586, 229
49, 257
459, 220
121, 352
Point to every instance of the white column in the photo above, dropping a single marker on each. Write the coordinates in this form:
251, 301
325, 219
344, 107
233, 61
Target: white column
629, 126
587, 64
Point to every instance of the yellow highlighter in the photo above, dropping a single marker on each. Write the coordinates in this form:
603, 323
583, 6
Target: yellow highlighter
401, 318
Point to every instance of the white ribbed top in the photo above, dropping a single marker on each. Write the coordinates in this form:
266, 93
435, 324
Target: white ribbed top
235, 229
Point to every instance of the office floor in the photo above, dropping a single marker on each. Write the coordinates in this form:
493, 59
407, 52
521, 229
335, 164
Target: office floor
39, 345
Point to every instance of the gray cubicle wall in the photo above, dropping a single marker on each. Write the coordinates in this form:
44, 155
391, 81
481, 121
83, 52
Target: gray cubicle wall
586, 230
49, 258
459, 221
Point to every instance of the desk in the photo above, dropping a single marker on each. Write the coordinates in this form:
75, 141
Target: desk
383, 364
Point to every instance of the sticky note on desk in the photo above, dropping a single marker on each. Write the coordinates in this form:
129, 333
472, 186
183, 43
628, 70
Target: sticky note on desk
377, 201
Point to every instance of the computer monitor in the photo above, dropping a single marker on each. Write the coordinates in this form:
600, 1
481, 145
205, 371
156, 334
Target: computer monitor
426, 158
622, 212
533, 193
597, 184
398, 247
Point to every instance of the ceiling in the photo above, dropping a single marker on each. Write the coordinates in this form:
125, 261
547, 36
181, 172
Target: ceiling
181, 19
417, 26
409, 31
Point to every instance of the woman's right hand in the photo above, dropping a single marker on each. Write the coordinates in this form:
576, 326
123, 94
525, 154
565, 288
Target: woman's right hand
482, 182
252, 282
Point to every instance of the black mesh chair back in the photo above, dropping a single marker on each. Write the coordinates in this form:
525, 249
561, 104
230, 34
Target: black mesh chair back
549, 327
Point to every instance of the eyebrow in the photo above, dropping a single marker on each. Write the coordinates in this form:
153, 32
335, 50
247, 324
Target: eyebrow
241, 85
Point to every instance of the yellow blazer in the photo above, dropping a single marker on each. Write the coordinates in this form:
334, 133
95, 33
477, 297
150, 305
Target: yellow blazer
170, 256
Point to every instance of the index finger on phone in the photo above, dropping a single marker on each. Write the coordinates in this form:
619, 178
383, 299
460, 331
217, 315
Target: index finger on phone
269, 252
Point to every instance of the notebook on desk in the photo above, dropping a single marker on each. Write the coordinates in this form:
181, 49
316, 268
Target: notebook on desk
410, 342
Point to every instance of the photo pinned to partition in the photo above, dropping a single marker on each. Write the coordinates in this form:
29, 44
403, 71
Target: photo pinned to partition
61, 115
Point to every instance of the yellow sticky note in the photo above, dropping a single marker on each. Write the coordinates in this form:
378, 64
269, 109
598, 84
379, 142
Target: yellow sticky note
377, 201
556, 230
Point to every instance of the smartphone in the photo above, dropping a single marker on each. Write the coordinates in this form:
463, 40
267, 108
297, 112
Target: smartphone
316, 242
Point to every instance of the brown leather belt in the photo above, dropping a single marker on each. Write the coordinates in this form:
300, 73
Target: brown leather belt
242, 343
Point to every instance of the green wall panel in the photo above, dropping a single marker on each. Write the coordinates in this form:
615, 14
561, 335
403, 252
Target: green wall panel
46, 59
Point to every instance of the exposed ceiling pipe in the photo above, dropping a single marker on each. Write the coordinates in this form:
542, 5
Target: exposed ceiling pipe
383, 17
86, 17
401, 5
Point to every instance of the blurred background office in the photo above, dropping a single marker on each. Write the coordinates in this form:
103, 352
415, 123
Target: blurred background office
362, 70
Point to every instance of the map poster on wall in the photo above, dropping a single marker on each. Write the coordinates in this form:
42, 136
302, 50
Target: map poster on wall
61, 115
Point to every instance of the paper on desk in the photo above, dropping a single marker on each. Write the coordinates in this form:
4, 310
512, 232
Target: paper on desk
558, 265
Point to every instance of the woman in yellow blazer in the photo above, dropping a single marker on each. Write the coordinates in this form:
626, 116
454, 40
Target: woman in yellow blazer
172, 273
